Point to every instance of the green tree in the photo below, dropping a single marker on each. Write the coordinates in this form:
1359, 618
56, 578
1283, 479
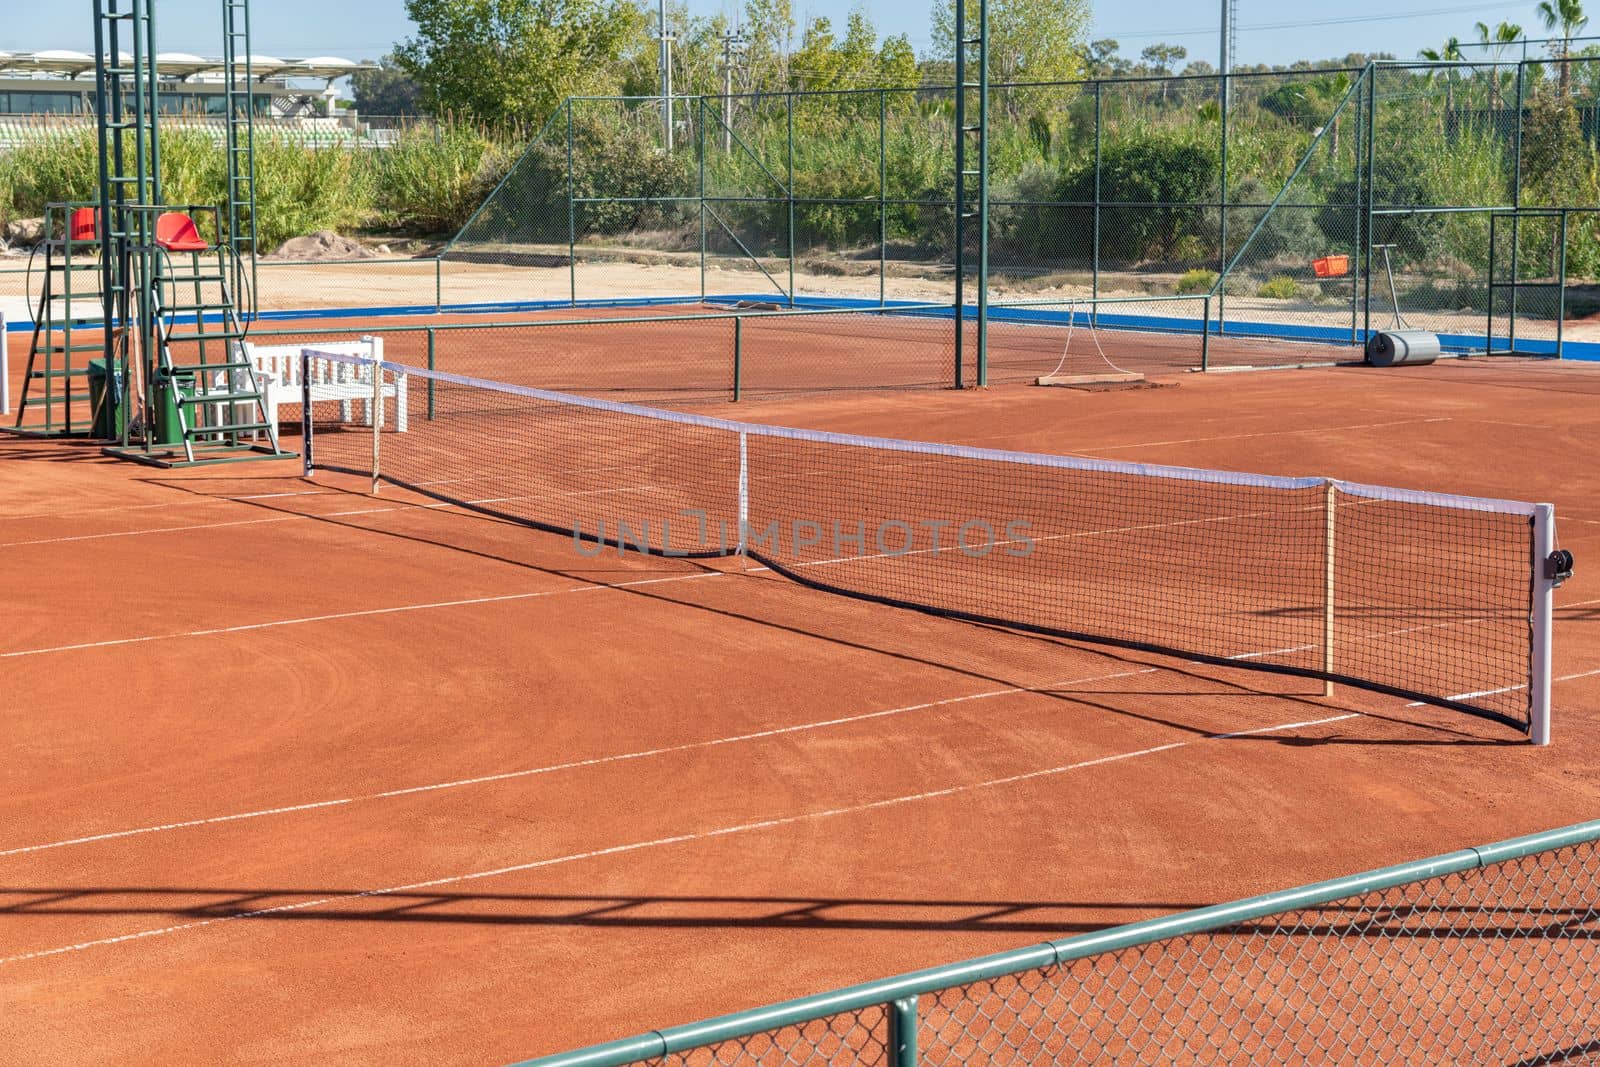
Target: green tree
1162, 57
769, 28
1102, 59
1566, 18
1450, 53
1495, 42
1029, 40
505, 61
388, 90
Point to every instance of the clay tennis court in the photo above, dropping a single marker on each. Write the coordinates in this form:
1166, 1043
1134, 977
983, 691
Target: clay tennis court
299, 773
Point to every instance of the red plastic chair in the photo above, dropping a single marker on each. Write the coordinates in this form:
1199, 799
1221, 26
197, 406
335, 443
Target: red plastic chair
84, 224
176, 232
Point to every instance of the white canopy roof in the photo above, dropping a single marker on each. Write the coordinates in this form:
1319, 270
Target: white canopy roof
178, 65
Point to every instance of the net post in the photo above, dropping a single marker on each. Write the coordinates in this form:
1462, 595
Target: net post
307, 465
431, 366
902, 1036
744, 493
1205, 335
375, 416
1543, 617
738, 358
1329, 559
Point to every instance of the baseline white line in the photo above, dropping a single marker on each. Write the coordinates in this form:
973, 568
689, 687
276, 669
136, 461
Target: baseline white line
659, 842
364, 613
596, 761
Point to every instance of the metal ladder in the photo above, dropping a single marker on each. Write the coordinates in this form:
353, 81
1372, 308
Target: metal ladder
239, 108
53, 403
127, 92
216, 396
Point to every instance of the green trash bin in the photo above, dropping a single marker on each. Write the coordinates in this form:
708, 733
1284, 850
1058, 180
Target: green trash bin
110, 412
170, 384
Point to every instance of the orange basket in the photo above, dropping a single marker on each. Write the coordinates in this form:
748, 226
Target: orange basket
1331, 266
84, 224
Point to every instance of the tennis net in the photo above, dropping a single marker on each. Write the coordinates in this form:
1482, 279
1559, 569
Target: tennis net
1436, 598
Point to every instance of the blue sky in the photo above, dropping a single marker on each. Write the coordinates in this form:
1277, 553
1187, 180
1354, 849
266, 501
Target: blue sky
1269, 32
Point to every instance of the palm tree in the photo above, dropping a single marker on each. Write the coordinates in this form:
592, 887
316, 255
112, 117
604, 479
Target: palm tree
1450, 53
1566, 16
1496, 41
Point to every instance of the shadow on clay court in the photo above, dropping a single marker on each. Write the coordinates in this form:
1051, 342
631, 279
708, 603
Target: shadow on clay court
1206, 685
1355, 919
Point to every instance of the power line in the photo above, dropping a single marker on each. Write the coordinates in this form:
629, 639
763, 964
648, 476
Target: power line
1393, 16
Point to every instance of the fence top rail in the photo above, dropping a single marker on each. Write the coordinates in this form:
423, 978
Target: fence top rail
666, 1041
620, 320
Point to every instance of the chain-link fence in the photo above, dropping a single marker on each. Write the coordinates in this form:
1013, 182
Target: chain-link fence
1490, 954
1265, 190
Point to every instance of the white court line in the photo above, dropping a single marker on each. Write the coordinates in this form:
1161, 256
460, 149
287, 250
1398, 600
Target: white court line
597, 761
661, 842
200, 500
364, 613
220, 525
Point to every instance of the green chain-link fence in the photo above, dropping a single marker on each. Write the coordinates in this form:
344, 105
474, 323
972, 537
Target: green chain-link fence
1490, 954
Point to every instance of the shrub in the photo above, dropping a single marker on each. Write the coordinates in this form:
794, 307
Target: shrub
1282, 287
1198, 280
435, 176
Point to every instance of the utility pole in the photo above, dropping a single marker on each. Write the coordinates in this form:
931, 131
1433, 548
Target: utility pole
733, 43
666, 76
1230, 41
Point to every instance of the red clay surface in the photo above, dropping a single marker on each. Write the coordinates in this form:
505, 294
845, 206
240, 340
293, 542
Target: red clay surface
299, 775
685, 362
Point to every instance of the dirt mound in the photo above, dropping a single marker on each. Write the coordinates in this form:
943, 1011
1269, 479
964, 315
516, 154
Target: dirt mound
322, 246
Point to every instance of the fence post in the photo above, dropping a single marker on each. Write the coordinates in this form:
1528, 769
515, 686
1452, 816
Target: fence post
700, 145
572, 216
1561, 283
438, 283
1372, 143
1222, 205
1094, 283
902, 1042
790, 191
883, 195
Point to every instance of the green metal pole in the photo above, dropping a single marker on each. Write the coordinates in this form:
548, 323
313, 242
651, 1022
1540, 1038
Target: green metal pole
902, 1038
1094, 284
1222, 210
1561, 285
1205, 335
1516, 229
738, 357
1355, 242
1372, 140
1488, 326
983, 193
961, 192
431, 366
883, 195
572, 216
789, 183
700, 146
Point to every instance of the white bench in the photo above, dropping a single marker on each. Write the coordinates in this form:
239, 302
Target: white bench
278, 370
